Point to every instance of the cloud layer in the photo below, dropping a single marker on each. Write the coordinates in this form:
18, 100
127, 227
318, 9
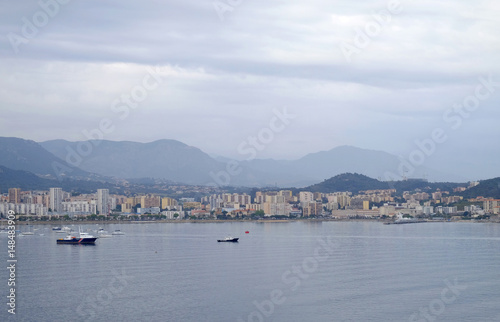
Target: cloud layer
221, 79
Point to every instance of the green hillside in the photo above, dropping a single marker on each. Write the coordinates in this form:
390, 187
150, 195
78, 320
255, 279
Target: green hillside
355, 182
487, 188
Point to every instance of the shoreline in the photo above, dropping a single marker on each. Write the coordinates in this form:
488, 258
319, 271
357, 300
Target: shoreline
206, 221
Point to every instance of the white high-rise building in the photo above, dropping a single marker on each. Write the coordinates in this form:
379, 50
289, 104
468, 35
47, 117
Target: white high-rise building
56, 197
103, 202
306, 197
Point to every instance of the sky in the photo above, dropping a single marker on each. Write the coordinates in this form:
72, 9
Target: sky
287, 77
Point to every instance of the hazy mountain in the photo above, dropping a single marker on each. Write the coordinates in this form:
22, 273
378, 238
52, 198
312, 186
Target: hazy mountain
166, 159
20, 154
176, 161
26, 180
347, 159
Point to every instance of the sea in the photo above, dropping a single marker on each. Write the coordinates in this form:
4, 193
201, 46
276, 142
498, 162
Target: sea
278, 271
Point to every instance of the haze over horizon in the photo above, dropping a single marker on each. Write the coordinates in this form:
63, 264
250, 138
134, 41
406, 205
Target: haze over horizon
362, 74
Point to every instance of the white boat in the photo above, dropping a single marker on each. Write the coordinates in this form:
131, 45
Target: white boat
101, 233
118, 232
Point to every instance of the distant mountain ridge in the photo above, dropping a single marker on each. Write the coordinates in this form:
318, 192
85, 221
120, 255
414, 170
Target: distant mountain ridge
166, 159
347, 159
30, 165
177, 162
27, 155
25, 180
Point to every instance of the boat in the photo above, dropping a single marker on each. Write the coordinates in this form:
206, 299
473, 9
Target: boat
228, 239
64, 230
103, 234
56, 228
82, 239
118, 232
404, 220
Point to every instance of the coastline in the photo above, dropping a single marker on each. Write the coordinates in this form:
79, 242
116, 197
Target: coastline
205, 221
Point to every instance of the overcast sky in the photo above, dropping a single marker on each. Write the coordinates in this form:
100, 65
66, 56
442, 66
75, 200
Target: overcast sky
372, 74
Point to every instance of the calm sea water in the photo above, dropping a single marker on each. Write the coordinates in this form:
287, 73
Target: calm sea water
297, 271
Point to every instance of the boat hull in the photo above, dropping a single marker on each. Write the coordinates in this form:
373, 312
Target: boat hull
233, 240
77, 241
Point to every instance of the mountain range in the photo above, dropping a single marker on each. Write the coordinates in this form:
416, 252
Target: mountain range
121, 166
177, 162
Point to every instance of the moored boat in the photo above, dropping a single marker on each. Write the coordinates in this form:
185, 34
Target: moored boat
228, 239
83, 238
103, 234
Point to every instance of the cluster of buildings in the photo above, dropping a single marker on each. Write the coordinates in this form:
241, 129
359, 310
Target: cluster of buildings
282, 203
55, 202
